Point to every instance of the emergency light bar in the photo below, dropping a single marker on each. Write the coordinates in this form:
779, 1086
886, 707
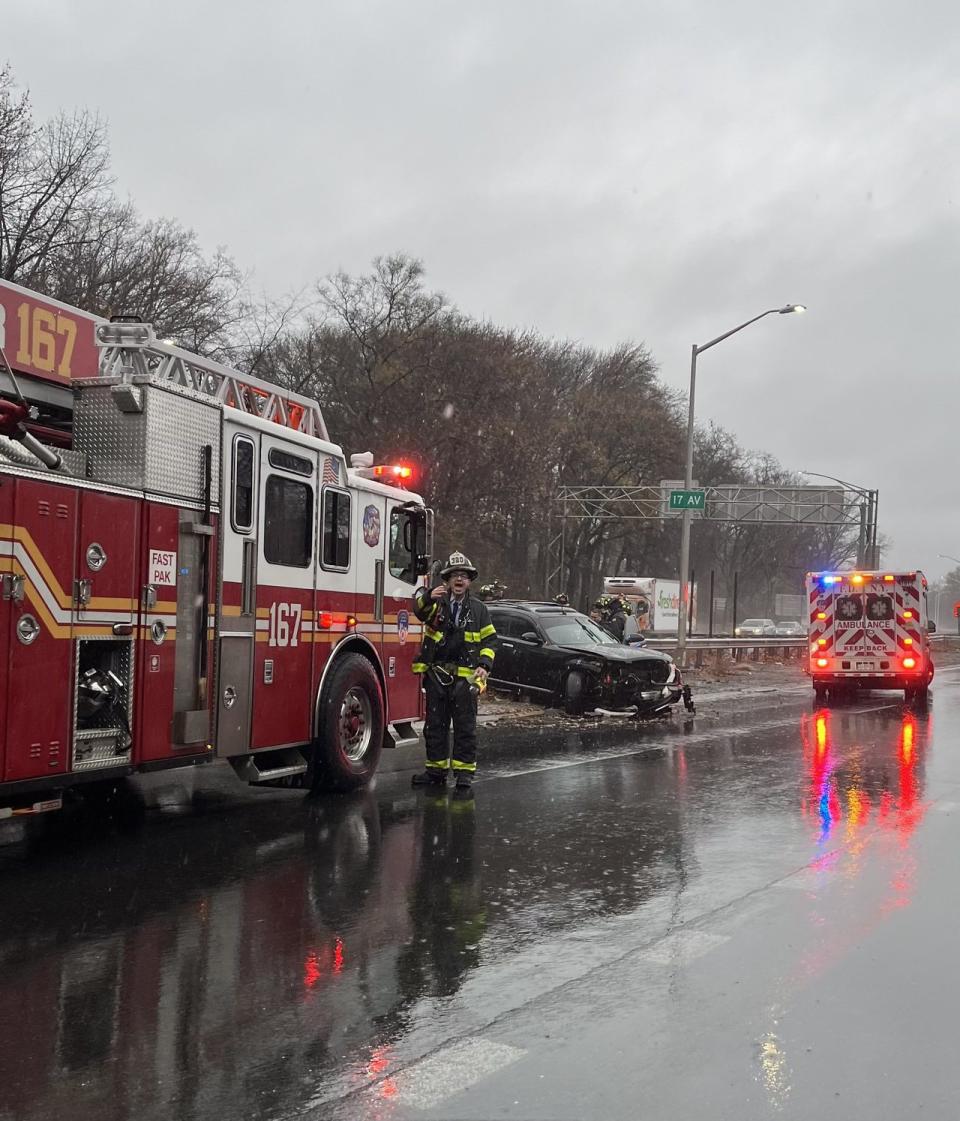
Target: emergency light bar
395, 473
859, 578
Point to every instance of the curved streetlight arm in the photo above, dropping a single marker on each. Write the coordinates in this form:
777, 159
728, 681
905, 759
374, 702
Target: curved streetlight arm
726, 334
833, 478
946, 556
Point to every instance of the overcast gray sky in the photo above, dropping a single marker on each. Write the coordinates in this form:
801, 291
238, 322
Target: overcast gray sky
602, 171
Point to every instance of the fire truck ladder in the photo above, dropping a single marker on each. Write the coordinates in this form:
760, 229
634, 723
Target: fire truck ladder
131, 351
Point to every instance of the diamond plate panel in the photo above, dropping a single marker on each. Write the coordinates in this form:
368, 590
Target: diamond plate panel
158, 449
97, 747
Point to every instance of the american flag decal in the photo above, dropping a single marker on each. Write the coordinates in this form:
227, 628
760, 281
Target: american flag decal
331, 471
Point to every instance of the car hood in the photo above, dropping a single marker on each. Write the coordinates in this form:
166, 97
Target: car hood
617, 653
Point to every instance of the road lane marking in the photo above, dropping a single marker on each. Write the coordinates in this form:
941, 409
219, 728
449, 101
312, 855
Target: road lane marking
450, 1071
946, 807
682, 947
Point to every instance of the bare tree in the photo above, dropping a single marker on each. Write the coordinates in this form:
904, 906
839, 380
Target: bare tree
53, 176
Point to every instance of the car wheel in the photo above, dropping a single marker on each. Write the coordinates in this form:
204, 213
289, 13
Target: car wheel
574, 693
351, 727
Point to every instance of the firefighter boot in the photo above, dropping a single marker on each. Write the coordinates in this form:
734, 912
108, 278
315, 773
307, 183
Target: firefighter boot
432, 776
464, 787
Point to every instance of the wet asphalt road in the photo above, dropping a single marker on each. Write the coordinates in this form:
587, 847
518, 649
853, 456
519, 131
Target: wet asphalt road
741, 917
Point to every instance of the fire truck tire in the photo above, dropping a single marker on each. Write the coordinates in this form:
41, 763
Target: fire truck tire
820, 694
351, 728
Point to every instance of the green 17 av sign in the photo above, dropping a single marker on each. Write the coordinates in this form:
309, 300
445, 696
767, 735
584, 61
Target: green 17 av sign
687, 499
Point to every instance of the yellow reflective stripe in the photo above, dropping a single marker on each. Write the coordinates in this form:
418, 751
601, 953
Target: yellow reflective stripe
486, 652
458, 766
487, 631
431, 633
439, 766
471, 636
465, 671
419, 667
433, 610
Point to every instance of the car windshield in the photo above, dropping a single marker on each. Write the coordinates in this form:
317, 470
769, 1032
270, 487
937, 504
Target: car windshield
755, 623
574, 630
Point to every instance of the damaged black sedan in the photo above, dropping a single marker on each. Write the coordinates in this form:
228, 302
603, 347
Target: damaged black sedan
563, 657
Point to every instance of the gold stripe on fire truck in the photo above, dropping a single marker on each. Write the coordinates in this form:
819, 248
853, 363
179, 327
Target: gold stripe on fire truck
55, 629
20, 535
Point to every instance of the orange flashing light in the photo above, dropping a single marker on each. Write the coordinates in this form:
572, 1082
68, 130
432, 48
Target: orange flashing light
888, 579
823, 662
908, 614
392, 471
821, 642
909, 663
351, 621
856, 579
821, 614
908, 642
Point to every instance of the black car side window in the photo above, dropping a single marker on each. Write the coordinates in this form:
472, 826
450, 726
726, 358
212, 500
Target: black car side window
509, 625
526, 625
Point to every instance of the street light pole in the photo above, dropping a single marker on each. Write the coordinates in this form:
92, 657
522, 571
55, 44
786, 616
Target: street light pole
686, 592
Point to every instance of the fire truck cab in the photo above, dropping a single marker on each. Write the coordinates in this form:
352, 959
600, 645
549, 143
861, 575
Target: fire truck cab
195, 571
869, 630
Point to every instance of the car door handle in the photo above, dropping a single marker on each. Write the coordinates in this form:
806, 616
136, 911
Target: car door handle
506, 645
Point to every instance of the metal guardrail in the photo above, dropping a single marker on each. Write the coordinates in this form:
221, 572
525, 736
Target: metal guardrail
698, 642
754, 648
701, 642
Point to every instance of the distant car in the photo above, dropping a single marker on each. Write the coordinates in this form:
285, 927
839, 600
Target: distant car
563, 657
790, 628
756, 628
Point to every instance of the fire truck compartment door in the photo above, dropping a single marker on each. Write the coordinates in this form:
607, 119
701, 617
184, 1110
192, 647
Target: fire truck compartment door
234, 707
39, 543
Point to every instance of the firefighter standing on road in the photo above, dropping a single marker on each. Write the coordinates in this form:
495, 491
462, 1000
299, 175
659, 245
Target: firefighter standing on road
456, 656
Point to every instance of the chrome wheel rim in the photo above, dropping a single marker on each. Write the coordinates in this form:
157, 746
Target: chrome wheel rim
356, 724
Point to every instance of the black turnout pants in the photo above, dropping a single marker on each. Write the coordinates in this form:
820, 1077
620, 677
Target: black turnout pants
445, 703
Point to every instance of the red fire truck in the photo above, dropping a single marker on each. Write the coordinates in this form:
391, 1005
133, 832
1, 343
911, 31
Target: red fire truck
869, 630
189, 569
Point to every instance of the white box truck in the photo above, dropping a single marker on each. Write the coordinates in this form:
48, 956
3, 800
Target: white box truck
656, 602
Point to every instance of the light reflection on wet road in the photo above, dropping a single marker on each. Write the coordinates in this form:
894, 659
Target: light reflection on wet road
749, 918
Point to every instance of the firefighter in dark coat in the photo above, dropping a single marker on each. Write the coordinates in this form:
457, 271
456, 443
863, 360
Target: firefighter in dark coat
456, 656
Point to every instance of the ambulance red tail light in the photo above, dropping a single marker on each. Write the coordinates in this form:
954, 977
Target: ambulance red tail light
822, 663
909, 663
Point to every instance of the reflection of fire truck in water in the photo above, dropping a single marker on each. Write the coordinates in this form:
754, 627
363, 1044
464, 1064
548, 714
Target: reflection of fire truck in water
189, 569
869, 630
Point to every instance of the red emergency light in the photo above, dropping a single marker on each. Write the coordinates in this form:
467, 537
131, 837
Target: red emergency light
393, 472
909, 663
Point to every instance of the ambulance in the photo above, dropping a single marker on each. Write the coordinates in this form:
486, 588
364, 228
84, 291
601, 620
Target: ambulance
869, 630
